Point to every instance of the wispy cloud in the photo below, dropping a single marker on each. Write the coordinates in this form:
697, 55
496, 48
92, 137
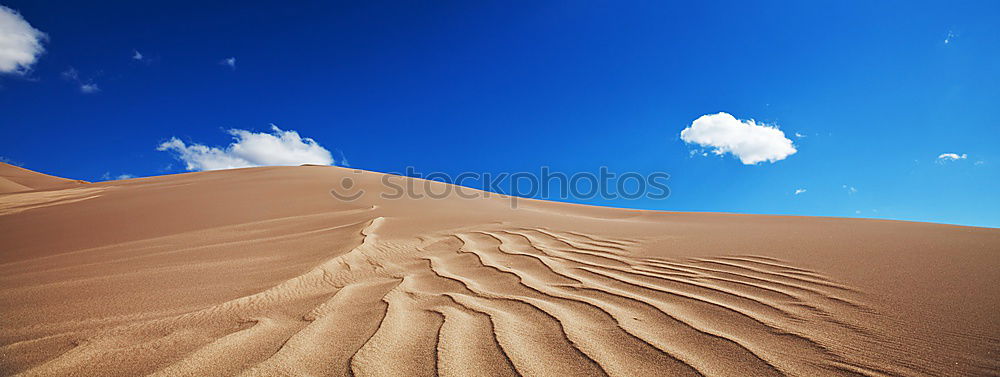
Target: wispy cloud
10, 161
20, 43
343, 159
86, 86
697, 152
136, 55
800, 191
107, 176
950, 37
944, 157
249, 149
752, 143
850, 189
229, 62
71, 74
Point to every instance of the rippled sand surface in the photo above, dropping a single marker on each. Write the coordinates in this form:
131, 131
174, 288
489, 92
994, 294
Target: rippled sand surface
261, 272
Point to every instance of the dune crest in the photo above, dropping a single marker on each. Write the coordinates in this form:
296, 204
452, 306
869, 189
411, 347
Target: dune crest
215, 274
17, 179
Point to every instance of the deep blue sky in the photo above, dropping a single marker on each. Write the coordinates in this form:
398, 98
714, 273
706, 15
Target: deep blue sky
493, 87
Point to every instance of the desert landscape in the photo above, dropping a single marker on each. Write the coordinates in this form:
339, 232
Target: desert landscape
387, 188
261, 272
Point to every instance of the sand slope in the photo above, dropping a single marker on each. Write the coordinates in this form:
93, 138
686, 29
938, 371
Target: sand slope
261, 272
15, 178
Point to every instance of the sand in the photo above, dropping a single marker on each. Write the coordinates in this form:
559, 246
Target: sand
261, 272
15, 179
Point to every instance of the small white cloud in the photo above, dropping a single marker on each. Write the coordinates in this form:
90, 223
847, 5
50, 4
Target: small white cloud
750, 142
798, 135
284, 148
858, 212
952, 157
71, 74
951, 36
136, 55
107, 176
229, 62
800, 191
980, 162
20, 43
86, 86
850, 189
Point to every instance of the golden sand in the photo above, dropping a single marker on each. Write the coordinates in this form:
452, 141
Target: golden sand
260, 272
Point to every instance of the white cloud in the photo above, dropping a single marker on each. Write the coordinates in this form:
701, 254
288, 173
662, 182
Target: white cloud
951, 36
20, 43
798, 135
251, 149
229, 62
89, 88
850, 189
86, 86
697, 152
800, 191
751, 142
71, 74
952, 156
107, 176
136, 55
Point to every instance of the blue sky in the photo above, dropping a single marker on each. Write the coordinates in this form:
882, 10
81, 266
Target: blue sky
879, 90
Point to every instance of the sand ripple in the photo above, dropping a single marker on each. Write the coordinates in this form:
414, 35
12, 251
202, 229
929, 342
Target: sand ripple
506, 300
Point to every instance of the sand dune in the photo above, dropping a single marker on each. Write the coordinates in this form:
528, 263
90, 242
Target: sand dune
15, 178
260, 272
